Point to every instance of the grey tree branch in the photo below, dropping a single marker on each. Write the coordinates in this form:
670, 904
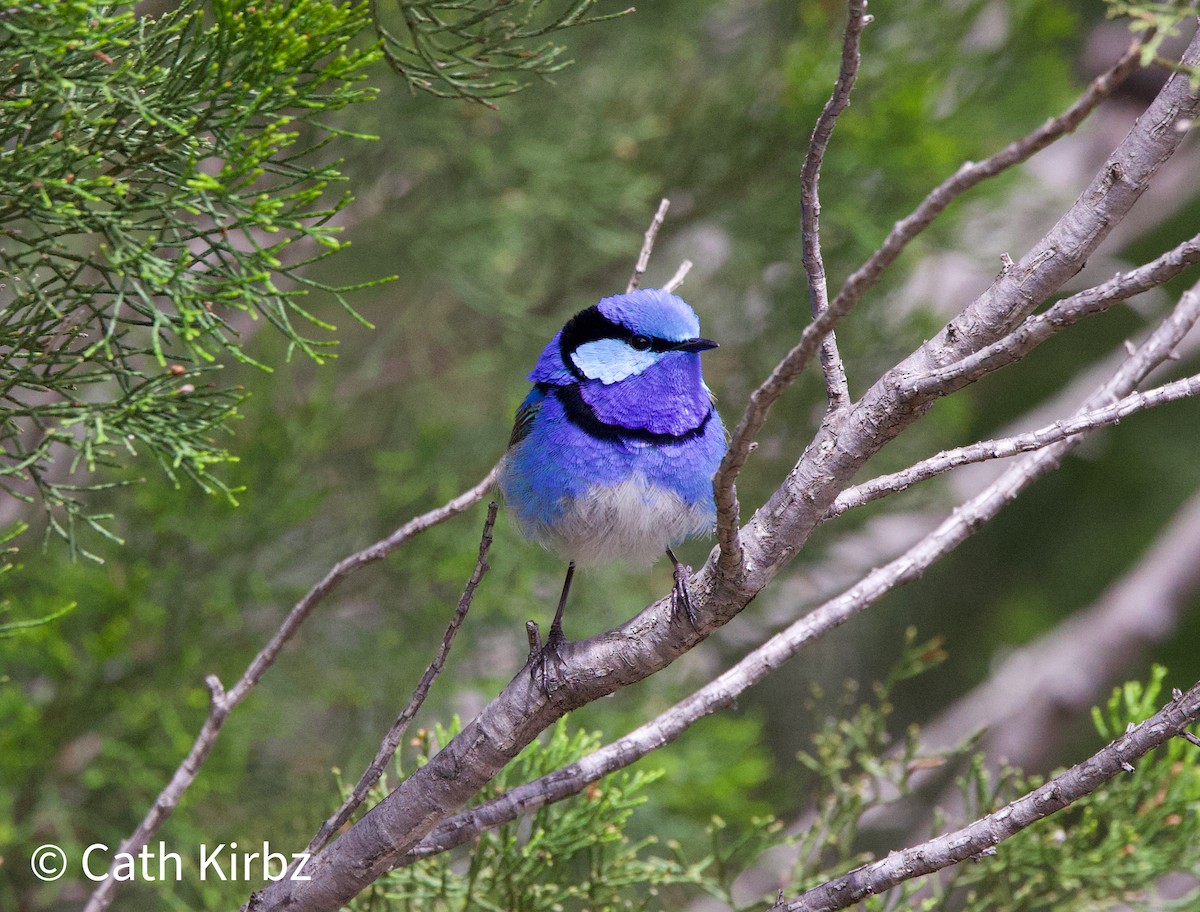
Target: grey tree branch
1042, 326
1004, 447
846, 440
836, 388
724, 690
730, 562
984, 834
223, 703
680, 274
648, 239
391, 741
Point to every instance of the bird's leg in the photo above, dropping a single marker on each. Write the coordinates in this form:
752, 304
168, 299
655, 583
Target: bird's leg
681, 596
554, 639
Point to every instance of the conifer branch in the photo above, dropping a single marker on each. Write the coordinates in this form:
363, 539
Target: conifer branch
981, 837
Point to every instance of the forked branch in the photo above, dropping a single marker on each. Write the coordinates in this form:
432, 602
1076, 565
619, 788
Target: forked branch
730, 560
1004, 447
723, 691
223, 703
391, 741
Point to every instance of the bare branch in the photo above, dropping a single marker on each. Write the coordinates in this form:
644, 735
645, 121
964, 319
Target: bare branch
680, 274
169, 797
1172, 103
395, 735
1042, 326
223, 703
648, 245
984, 834
1004, 447
167, 800
836, 388
971, 174
725, 689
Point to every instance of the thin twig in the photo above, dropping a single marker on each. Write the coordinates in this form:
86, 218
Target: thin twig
643, 259
981, 836
836, 387
971, 174
1004, 447
223, 703
680, 274
1042, 326
391, 741
724, 690
730, 559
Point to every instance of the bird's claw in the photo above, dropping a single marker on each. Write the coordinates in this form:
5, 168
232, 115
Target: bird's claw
681, 597
541, 656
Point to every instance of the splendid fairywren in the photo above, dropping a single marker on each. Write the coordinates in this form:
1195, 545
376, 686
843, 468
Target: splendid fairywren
614, 449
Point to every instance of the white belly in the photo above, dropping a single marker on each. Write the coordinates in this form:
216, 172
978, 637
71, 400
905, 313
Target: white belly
632, 521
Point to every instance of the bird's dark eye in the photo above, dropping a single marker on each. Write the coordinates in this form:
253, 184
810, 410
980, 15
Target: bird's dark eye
641, 343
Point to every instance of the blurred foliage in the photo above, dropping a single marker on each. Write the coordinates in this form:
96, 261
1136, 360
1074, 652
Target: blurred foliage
154, 186
500, 224
1113, 847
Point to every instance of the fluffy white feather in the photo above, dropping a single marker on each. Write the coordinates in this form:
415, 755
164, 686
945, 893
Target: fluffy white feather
634, 521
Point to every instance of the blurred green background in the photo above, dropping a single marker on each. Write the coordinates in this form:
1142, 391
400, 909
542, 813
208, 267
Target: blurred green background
500, 224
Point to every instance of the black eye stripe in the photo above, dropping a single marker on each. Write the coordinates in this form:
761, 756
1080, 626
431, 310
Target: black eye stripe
591, 326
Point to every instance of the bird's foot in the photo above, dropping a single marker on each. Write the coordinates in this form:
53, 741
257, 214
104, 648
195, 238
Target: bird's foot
681, 596
546, 663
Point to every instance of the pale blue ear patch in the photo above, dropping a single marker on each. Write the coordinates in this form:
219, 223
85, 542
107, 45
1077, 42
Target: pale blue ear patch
611, 360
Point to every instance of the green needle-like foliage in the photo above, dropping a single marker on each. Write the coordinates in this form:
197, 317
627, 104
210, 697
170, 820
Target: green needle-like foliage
574, 855
162, 183
478, 50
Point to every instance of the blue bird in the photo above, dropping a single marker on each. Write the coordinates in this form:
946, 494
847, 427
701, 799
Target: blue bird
613, 451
